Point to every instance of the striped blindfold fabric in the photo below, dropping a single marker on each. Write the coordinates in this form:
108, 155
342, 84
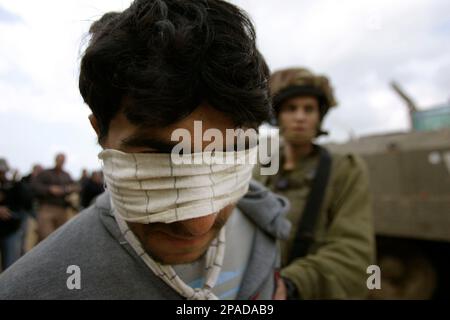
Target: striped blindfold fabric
147, 187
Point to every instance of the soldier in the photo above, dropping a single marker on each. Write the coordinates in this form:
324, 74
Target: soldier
332, 240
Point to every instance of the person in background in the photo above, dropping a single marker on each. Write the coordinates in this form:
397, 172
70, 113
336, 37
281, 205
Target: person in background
91, 189
52, 187
35, 171
31, 235
84, 178
331, 243
15, 201
28, 183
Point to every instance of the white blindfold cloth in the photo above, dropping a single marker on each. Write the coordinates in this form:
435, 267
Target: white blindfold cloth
147, 188
151, 187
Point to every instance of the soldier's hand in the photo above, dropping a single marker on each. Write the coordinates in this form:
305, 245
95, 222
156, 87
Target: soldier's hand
281, 291
5, 214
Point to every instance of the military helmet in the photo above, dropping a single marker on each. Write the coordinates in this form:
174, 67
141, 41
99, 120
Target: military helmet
288, 83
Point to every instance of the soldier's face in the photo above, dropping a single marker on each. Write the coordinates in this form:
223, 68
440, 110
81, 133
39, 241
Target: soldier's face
299, 119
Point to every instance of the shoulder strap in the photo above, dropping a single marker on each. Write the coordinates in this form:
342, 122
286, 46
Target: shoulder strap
305, 233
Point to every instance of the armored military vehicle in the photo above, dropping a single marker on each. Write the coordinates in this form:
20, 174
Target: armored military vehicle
410, 185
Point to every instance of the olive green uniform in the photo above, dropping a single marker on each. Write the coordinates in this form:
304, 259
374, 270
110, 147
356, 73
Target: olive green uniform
343, 247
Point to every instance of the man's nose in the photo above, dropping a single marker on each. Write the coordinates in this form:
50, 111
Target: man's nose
299, 114
199, 226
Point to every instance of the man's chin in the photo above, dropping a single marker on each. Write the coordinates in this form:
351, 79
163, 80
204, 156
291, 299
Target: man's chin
169, 254
175, 259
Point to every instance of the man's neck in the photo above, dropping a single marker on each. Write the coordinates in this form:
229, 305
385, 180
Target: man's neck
293, 153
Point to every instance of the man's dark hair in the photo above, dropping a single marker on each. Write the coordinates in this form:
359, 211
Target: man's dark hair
159, 59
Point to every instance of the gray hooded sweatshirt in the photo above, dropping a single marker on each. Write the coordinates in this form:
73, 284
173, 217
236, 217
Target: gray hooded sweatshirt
110, 268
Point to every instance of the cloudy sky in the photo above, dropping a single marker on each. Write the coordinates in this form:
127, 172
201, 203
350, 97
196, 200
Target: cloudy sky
360, 45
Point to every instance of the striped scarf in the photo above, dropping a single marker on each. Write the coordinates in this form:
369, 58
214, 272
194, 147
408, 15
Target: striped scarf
214, 260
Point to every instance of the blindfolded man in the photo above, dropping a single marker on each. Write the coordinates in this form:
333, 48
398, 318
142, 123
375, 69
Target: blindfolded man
165, 230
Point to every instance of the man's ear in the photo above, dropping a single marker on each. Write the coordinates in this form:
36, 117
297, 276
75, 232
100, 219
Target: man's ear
94, 124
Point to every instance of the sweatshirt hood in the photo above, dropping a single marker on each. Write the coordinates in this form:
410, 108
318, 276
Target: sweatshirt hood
267, 210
